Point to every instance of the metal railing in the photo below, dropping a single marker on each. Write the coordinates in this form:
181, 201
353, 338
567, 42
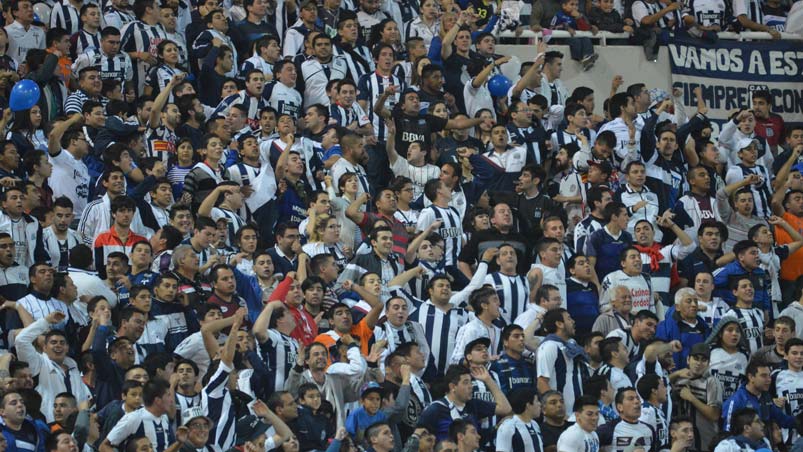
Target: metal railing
604, 36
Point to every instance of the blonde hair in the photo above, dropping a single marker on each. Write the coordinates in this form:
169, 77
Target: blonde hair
316, 226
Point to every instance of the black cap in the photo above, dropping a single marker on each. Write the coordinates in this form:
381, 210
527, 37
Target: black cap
480, 340
700, 349
249, 428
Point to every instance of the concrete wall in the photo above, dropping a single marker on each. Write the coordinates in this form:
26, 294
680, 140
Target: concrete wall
627, 61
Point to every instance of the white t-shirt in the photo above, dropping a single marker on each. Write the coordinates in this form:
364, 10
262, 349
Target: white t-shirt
575, 439
70, 178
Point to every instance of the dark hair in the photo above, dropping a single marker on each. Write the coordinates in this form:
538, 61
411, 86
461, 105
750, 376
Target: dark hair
585, 400
508, 331
551, 319
129, 385
552, 55
154, 388
617, 104
647, 384
793, 342
608, 346
123, 202
455, 373
595, 385
741, 419
480, 297
620, 394
459, 427
753, 366
613, 208
521, 397
54, 35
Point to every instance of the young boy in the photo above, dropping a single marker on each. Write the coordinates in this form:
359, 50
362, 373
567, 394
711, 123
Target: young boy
570, 19
606, 18
313, 425
131, 400
373, 398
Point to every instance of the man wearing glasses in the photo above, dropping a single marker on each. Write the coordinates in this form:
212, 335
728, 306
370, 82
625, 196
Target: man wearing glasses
67, 145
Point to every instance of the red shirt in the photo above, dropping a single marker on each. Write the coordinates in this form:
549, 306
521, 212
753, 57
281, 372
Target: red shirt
771, 129
400, 236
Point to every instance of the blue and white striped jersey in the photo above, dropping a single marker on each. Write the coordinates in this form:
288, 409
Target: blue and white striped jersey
217, 404
513, 291
516, 435
279, 353
158, 429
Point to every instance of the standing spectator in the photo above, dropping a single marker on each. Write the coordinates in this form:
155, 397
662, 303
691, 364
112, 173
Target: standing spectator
700, 397
22, 34
157, 396
582, 436
140, 38
605, 246
560, 353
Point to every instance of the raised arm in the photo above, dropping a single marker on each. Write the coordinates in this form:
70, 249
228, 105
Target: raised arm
262, 322
353, 210
480, 79
229, 348
531, 72
54, 141
280, 164
412, 247
283, 432
208, 333
379, 105
159, 103
390, 145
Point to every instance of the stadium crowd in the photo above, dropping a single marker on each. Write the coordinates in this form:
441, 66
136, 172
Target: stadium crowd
309, 226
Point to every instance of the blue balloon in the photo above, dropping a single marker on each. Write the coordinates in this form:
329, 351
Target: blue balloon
24, 95
499, 85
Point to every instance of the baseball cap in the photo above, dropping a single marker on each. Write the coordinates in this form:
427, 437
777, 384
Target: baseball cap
745, 143
700, 349
480, 340
371, 387
192, 413
249, 428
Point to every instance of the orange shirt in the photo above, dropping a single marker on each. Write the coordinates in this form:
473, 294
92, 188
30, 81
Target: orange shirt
791, 268
359, 331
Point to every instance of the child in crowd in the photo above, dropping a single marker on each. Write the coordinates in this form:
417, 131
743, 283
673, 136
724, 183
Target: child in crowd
570, 19
606, 18
313, 424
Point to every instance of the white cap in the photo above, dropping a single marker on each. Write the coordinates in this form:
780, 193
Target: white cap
744, 143
192, 413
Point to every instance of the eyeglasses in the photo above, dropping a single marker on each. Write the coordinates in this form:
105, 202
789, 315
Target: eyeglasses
5, 246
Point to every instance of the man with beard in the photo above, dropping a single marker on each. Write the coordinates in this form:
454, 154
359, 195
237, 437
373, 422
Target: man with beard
58, 238
352, 160
316, 72
160, 133
193, 118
